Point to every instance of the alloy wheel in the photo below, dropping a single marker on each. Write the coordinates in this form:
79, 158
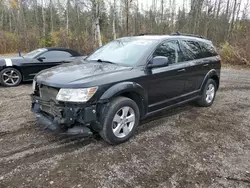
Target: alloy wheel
210, 93
123, 122
10, 77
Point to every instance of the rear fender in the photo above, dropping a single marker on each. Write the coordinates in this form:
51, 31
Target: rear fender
210, 74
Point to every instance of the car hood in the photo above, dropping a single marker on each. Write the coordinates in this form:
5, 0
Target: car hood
79, 74
16, 60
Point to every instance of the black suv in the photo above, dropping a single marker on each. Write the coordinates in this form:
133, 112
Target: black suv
125, 81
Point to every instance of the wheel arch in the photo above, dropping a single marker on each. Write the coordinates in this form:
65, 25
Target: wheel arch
130, 90
13, 66
212, 74
19, 69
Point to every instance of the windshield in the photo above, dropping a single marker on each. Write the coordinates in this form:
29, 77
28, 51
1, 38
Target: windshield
125, 51
34, 53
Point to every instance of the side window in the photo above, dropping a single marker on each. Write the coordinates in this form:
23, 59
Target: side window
56, 54
191, 50
208, 50
169, 49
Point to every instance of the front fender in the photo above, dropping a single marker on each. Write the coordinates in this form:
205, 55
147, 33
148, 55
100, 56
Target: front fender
127, 87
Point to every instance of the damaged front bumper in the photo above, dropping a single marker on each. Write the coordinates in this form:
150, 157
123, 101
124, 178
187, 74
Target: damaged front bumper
68, 118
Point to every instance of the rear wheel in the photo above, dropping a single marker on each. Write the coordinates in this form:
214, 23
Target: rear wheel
119, 119
10, 77
208, 94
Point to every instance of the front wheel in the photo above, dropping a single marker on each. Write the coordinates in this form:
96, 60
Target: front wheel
208, 94
10, 77
119, 118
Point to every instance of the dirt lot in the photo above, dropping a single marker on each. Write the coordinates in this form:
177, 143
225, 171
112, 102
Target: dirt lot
185, 147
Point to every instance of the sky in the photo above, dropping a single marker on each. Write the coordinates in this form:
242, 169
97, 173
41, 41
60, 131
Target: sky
179, 3
146, 4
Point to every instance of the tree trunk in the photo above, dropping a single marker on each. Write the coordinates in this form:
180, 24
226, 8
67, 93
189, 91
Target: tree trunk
96, 8
2, 20
10, 21
227, 10
67, 18
114, 16
173, 16
127, 16
162, 10
51, 16
44, 18
98, 32
238, 12
218, 9
233, 18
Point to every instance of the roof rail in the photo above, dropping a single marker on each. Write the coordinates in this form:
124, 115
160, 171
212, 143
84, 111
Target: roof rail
142, 34
185, 34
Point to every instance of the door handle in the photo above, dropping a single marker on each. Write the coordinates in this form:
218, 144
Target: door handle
182, 70
205, 61
206, 65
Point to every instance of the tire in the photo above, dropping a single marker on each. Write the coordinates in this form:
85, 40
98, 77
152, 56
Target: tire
10, 77
115, 129
208, 94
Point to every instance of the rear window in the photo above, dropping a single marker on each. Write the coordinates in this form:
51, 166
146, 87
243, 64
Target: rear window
191, 50
208, 50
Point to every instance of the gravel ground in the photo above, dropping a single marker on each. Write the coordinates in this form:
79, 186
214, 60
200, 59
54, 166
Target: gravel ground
184, 147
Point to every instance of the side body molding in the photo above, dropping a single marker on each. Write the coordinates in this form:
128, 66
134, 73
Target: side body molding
128, 87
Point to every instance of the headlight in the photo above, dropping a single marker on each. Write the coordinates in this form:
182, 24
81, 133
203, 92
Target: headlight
34, 85
76, 95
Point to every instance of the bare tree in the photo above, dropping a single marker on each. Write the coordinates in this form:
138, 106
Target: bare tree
96, 12
44, 17
233, 19
127, 4
114, 17
51, 16
67, 16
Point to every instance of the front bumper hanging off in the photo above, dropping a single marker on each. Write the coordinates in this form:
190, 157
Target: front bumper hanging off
69, 119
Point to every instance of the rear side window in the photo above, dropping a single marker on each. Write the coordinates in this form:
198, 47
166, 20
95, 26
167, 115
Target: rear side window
191, 50
208, 50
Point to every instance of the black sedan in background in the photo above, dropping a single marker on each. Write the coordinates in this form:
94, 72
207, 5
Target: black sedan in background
14, 70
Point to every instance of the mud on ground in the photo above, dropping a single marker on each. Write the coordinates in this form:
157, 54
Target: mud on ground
185, 147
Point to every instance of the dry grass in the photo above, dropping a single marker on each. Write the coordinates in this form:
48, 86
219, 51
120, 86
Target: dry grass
237, 67
9, 54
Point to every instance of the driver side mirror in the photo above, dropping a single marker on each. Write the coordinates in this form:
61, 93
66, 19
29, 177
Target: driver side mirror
41, 58
159, 61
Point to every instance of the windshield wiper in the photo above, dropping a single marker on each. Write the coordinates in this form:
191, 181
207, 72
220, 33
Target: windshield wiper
104, 61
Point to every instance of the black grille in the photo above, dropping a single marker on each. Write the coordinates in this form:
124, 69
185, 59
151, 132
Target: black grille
48, 94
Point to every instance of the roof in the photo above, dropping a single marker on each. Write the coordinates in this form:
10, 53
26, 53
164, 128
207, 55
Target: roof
163, 37
73, 52
148, 37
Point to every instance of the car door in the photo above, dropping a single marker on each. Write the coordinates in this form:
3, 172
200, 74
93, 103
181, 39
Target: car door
196, 65
166, 84
53, 58
210, 56
47, 60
